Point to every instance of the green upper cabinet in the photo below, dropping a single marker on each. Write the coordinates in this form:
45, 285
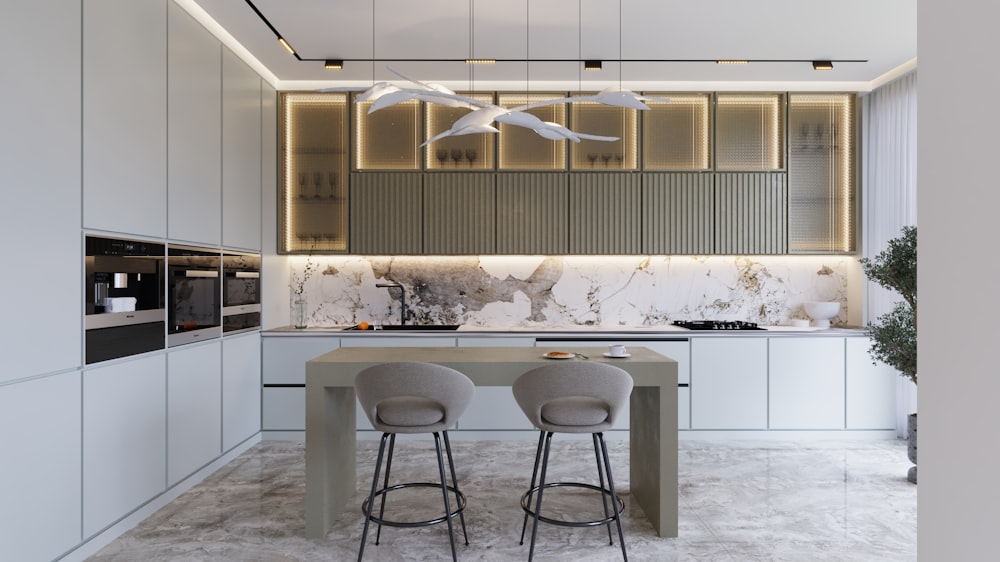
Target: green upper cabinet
698, 173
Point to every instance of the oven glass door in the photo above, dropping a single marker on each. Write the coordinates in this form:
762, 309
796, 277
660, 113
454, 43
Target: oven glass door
195, 311
240, 292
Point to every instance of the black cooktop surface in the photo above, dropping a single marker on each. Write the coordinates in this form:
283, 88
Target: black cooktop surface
717, 325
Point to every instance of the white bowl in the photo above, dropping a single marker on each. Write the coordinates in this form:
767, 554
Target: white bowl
822, 312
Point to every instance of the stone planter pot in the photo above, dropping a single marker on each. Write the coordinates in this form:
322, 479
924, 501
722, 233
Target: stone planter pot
911, 449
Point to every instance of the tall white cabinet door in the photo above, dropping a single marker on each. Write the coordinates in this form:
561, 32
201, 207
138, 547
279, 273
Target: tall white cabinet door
194, 416
125, 116
194, 131
240, 388
241, 135
40, 473
124, 439
806, 386
40, 159
871, 389
728, 383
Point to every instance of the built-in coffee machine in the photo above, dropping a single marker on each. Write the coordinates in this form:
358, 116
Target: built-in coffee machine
123, 285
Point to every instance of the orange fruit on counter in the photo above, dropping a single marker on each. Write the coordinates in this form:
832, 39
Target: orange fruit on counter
363, 326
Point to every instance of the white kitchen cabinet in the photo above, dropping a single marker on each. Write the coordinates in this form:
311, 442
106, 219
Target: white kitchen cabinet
806, 383
494, 407
124, 439
40, 155
284, 359
283, 371
870, 389
194, 416
241, 363
241, 154
40, 473
728, 383
124, 116
194, 131
677, 349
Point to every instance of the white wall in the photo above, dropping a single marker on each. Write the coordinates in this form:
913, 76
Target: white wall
958, 310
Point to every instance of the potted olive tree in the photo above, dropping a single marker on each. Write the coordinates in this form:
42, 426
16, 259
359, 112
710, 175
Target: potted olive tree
894, 334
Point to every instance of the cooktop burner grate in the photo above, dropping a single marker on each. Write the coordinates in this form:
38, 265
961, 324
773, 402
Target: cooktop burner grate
717, 325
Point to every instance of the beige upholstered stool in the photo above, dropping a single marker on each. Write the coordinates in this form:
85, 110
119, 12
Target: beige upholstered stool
573, 397
412, 397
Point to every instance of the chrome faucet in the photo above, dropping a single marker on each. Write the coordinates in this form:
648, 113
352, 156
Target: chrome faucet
402, 297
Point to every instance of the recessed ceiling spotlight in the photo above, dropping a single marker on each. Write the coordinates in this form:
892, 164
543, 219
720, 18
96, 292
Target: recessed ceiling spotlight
592, 65
333, 64
822, 65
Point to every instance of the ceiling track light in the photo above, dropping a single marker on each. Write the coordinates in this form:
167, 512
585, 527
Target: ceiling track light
732, 61
592, 65
822, 65
480, 61
285, 44
333, 64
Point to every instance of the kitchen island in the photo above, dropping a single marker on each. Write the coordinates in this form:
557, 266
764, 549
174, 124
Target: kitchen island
331, 403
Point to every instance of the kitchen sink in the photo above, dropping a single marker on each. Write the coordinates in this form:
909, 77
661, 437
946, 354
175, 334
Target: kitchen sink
411, 327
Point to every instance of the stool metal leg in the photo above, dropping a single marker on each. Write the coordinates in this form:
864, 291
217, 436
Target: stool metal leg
385, 486
454, 481
371, 496
600, 476
541, 487
444, 490
614, 494
534, 476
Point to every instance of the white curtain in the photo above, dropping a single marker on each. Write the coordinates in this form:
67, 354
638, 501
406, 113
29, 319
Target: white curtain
889, 200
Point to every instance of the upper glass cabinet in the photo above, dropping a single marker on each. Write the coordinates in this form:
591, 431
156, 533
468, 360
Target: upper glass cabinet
462, 152
750, 132
594, 118
314, 179
524, 149
388, 139
677, 136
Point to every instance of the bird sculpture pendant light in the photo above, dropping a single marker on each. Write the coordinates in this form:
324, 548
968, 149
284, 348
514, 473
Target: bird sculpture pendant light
482, 114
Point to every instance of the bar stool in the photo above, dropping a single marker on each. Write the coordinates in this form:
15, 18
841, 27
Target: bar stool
413, 397
573, 397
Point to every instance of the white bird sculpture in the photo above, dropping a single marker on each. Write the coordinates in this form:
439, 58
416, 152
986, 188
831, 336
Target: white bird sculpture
483, 114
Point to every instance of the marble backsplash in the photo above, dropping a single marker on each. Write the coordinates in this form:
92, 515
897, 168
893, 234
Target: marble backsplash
558, 291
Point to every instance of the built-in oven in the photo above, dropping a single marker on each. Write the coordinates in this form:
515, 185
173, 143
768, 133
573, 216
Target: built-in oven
240, 291
194, 308
123, 286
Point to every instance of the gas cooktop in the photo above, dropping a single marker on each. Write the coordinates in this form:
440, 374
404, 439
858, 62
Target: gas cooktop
716, 325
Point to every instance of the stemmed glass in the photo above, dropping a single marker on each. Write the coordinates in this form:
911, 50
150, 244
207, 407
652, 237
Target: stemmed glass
332, 178
619, 158
456, 155
592, 157
318, 180
303, 178
606, 157
442, 155
470, 153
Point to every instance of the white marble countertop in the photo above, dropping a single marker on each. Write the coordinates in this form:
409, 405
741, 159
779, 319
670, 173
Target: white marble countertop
637, 332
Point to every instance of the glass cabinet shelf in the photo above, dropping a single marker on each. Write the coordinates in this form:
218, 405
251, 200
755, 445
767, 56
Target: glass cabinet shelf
314, 184
594, 118
523, 149
458, 153
677, 136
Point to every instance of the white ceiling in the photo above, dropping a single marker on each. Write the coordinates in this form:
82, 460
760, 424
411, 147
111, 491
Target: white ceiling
407, 33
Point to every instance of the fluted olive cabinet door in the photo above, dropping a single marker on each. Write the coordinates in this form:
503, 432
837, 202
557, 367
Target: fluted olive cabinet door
751, 213
678, 213
459, 213
385, 216
605, 213
532, 213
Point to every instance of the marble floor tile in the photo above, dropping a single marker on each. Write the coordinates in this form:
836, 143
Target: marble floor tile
738, 501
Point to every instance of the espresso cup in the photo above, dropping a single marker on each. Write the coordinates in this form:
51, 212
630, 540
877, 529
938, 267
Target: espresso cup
617, 350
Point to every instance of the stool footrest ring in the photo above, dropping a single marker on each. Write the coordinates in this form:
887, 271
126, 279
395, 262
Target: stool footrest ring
437, 486
527, 509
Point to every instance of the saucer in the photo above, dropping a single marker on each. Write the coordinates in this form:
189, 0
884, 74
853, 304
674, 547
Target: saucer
606, 354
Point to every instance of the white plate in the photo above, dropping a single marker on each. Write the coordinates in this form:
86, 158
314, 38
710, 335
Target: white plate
606, 354
559, 355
